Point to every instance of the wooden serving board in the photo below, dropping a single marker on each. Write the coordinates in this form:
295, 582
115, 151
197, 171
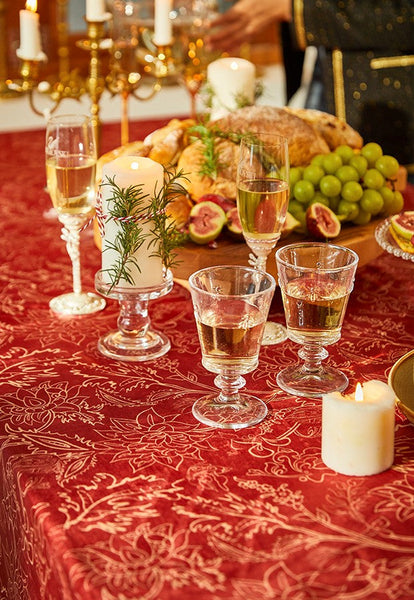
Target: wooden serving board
192, 257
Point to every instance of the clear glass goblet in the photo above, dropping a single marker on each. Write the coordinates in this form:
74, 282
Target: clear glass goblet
231, 305
262, 201
70, 168
316, 280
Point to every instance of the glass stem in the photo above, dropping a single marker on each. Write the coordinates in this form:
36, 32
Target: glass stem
312, 355
133, 320
72, 225
229, 386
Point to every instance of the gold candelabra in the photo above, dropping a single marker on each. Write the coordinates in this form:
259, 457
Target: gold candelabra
157, 63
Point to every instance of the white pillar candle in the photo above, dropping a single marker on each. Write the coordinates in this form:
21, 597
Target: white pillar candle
149, 175
30, 43
358, 430
229, 79
162, 22
95, 10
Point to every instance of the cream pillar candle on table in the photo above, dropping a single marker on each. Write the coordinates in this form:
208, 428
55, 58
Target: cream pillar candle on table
358, 430
30, 43
129, 171
229, 79
162, 22
95, 10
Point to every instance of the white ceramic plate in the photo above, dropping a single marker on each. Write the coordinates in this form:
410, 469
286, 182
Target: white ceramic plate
387, 242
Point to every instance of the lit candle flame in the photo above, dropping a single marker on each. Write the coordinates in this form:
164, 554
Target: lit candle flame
234, 66
359, 394
31, 5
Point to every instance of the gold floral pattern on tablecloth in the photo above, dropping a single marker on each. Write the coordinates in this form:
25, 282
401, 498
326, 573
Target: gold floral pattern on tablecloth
111, 490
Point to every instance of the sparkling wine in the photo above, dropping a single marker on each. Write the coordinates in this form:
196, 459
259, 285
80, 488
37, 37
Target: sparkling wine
315, 307
262, 205
71, 184
230, 339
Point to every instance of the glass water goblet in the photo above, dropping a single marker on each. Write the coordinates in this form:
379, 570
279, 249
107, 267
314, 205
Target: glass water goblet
316, 280
231, 304
70, 168
262, 201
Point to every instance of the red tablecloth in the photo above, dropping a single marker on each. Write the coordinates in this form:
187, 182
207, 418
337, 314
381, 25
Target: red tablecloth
111, 490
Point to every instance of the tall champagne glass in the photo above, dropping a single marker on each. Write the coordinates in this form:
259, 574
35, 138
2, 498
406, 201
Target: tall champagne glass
70, 168
262, 201
231, 305
316, 280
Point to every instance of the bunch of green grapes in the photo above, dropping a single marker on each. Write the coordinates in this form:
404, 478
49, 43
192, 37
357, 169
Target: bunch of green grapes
354, 184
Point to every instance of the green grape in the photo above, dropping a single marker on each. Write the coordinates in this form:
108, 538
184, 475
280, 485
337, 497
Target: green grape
333, 203
303, 191
393, 204
349, 210
372, 151
372, 201
347, 173
318, 160
313, 173
359, 163
331, 162
345, 152
321, 198
295, 175
363, 217
295, 207
352, 191
373, 179
330, 186
387, 165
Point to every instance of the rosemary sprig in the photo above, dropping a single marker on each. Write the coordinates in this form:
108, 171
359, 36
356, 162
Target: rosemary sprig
211, 164
132, 202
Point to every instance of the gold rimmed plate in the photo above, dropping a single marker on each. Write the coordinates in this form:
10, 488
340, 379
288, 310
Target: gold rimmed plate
401, 379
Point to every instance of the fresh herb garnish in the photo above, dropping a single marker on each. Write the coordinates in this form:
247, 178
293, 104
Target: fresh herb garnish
130, 207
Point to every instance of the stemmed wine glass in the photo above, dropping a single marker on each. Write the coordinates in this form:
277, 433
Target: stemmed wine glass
70, 168
316, 280
190, 25
231, 304
262, 201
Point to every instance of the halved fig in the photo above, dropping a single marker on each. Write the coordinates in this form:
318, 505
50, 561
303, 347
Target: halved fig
206, 222
403, 224
322, 222
233, 223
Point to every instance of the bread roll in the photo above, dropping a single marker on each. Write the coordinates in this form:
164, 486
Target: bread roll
304, 140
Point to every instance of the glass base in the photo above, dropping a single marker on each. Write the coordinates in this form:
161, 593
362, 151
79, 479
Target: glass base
248, 411
77, 304
299, 382
274, 333
119, 346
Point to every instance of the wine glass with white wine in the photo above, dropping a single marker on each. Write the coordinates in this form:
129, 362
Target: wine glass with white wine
262, 202
71, 167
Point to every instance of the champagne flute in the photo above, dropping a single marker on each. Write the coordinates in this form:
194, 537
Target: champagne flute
262, 201
316, 280
231, 304
70, 168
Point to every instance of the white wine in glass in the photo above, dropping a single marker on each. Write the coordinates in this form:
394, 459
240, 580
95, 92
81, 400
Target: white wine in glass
262, 201
70, 169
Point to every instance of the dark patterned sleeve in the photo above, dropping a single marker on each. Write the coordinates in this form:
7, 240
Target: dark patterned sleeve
355, 24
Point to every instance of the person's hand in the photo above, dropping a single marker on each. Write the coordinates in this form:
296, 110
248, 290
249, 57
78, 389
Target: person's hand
244, 20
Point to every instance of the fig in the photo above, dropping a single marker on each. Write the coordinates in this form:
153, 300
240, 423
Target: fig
403, 224
322, 222
233, 223
265, 216
225, 203
206, 222
289, 225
